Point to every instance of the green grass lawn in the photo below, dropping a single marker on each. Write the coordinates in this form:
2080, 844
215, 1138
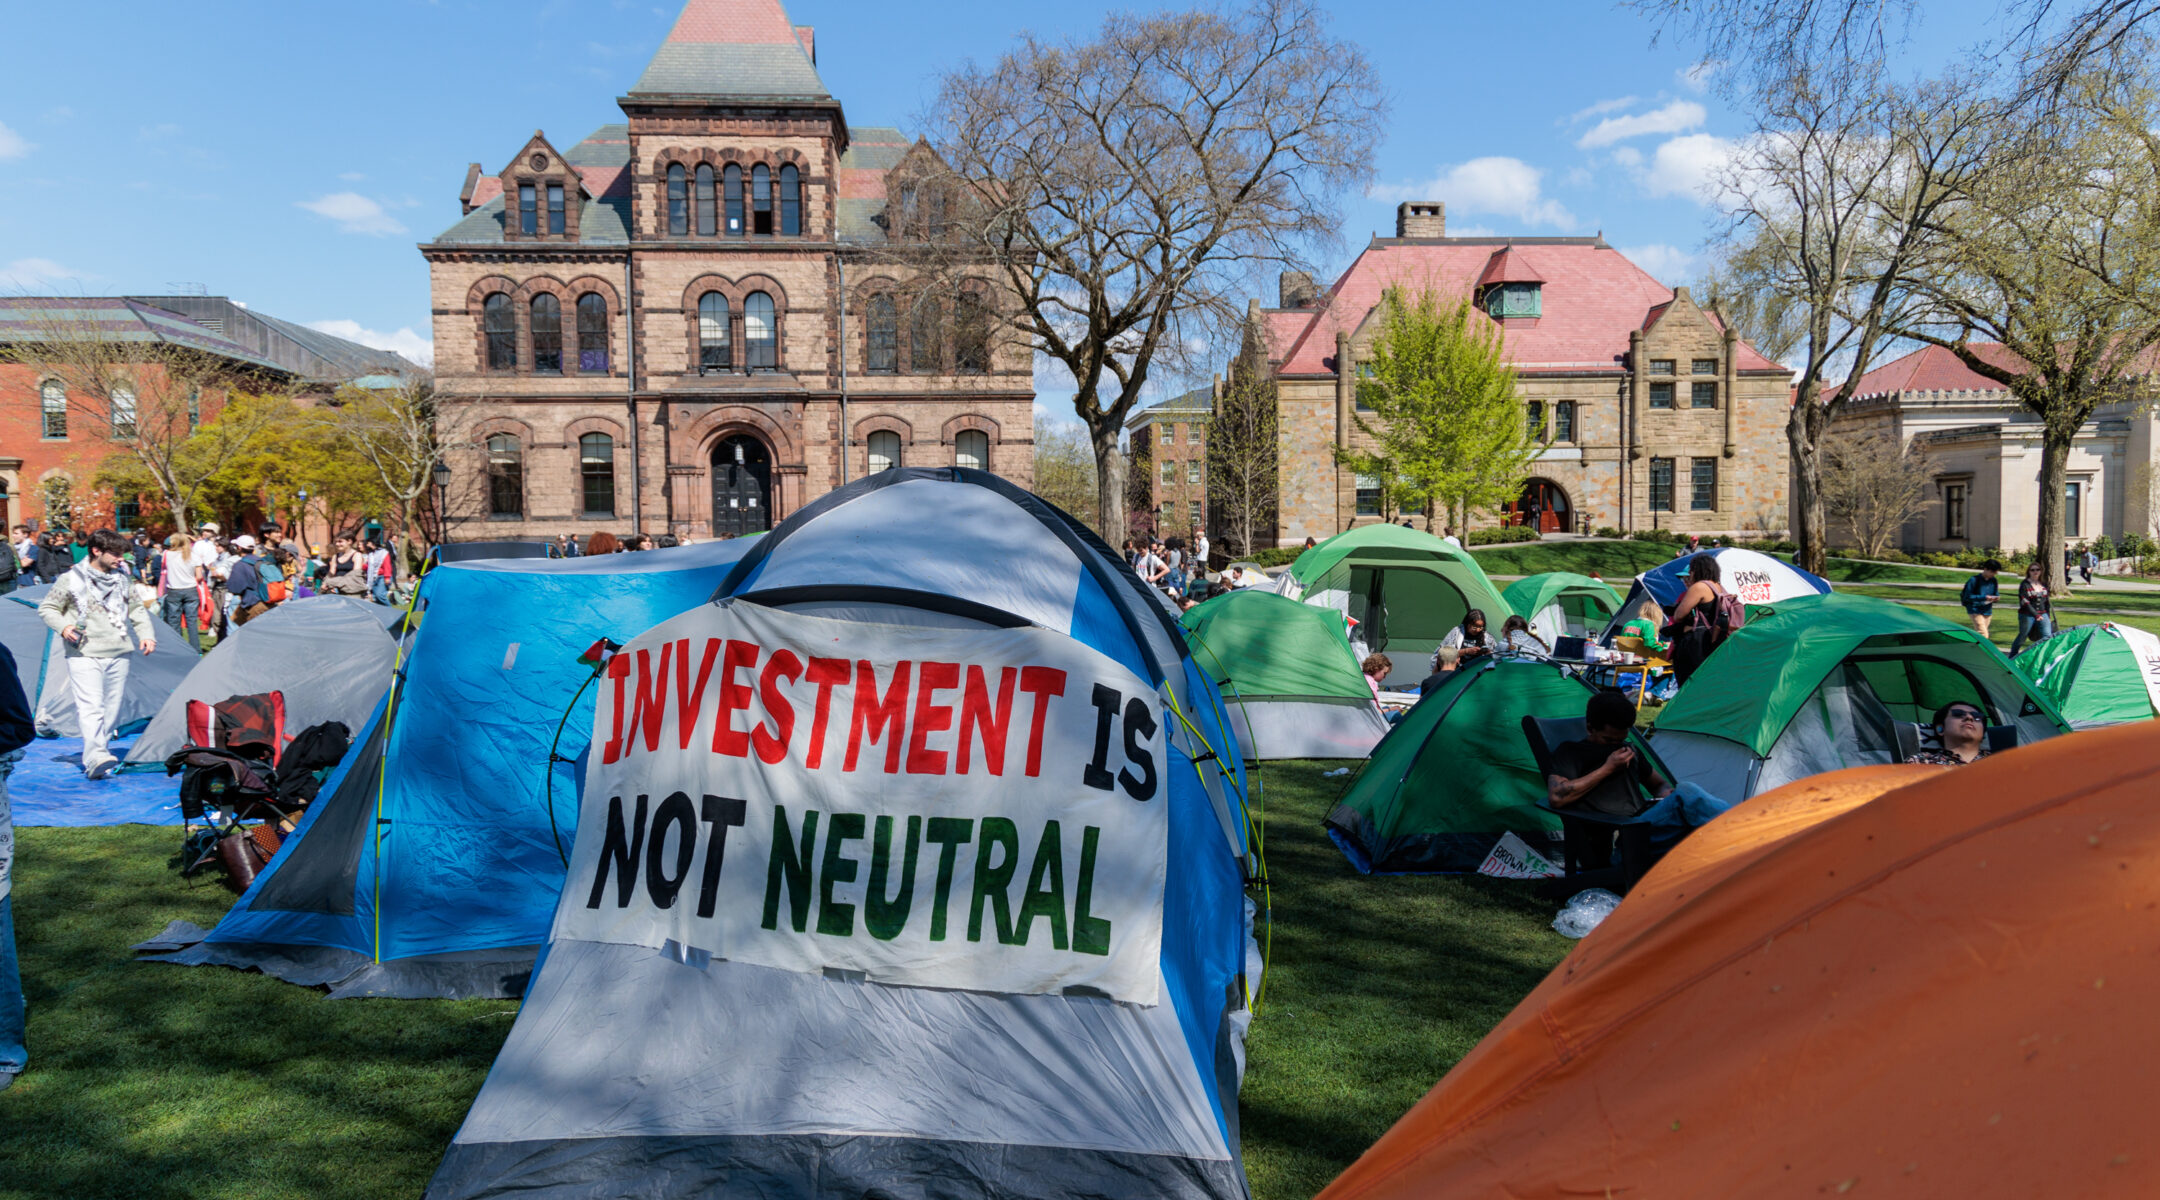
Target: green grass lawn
151, 1082
2089, 600
1616, 561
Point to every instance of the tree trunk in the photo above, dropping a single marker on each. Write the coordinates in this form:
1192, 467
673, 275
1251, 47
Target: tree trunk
1802, 436
1109, 482
2054, 465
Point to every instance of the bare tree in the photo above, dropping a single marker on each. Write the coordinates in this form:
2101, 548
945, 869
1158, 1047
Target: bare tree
1740, 286
1873, 487
1242, 451
393, 431
1131, 190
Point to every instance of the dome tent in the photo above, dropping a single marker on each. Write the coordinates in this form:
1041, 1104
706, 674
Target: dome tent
428, 865
1756, 578
41, 661
1404, 588
1904, 981
1291, 684
1814, 684
1563, 604
2101, 674
1455, 773
655, 1070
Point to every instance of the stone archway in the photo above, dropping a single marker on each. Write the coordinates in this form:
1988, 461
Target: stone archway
1543, 505
742, 485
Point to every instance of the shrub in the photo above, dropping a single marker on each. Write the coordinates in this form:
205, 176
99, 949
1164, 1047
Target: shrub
1274, 556
2149, 565
1505, 533
2104, 546
2137, 545
1607, 531
1663, 536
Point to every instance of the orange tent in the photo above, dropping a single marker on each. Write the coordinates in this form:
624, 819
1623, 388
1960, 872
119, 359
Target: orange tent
1905, 981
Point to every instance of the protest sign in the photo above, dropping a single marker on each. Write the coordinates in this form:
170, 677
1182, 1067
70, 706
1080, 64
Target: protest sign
976, 808
1512, 858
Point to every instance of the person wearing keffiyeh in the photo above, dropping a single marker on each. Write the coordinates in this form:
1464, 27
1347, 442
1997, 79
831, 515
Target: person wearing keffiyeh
94, 608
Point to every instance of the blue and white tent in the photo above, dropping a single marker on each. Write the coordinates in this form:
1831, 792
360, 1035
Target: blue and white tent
1755, 577
664, 1068
431, 862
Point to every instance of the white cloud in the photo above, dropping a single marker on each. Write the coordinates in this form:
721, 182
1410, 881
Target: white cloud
405, 342
1688, 166
1669, 265
13, 144
354, 213
1675, 117
1602, 107
1627, 156
1507, 187
31, 274
1697, 78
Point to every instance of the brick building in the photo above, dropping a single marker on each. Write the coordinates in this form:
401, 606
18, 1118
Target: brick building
1660, 416
700, 319
1171, 437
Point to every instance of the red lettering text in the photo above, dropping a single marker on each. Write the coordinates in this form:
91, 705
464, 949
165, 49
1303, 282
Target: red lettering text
772, 747
930, 717
976, 714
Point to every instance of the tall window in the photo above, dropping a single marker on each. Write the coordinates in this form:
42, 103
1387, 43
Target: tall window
1563, 421
52, 399
1169, 433
194, 407
1169, 471
1661, 395
500, 324
127, 514
528, 210
884, 335
707, 220
678, 200
926, 337
761, 213
1535, 419
731, 184
506, 476
1196, 515
558, 214
971, 334
1192, 471
123, 413
547, 334
1661, 481
761, 331
971, 448
884, 451
1702, 483
1954, 510
1702, 395
592, 334
715, 351
2073, 508
1368, 495
596, 473
790, 201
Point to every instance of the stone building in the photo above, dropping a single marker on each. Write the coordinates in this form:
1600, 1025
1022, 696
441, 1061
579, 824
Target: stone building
1171, 437
1983, 453
1660, 416
700, 319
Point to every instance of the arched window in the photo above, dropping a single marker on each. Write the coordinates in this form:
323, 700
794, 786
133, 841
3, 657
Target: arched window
884, 334
761, 331
971, 448
884, 451
790, 201
926, 338
500, 325
52, 399
678, 200
547, 334
592, 333
971, 334
123, 411
706, 221
731, 183
596, 473
506, 476
715, 351
761, 214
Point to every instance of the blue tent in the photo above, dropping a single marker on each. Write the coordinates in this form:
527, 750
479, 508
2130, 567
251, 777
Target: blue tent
665, 1073
1755, 577
431, 864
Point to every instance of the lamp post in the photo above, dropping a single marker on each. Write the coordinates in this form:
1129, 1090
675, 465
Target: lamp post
300, 523
441, 475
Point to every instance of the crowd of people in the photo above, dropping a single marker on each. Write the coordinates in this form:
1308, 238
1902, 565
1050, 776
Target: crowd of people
1178, 568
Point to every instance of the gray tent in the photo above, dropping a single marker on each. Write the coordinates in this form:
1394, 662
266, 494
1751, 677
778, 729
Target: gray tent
328, 655
42, 663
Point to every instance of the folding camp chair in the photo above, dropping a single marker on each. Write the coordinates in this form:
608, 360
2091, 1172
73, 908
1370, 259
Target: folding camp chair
1912, 738
1653, 662
252, 725
1587, 848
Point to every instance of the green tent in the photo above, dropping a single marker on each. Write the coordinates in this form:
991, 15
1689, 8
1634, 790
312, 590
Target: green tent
2102, 674
1816, 683
1405, 590
1562, 604
1456, 773
1287, 675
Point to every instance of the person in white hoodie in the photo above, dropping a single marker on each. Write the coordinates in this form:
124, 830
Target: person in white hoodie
93, 608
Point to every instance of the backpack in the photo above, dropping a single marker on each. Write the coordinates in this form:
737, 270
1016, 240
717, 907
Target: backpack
274, 586
1730, 614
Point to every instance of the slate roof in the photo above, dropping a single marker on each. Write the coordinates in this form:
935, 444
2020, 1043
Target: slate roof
27, 318
872, 151
1192, 403
602, 162
1593, 297
737, 49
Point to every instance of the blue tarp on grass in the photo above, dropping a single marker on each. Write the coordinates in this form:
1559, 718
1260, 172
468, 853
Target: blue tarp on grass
48, 788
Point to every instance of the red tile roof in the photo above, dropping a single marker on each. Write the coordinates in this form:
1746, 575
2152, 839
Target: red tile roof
1593, 297
1509, 267
1934, 369
486, 188
736, 22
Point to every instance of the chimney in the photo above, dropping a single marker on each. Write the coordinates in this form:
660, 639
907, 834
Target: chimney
472, 180
1421, 219
1295, 290
808, 38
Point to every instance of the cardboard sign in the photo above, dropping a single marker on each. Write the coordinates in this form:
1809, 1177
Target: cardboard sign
1512, 858
983, 809
1752, 586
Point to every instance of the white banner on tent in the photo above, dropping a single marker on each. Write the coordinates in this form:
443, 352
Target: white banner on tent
2146, 648
983, 809
1512, 858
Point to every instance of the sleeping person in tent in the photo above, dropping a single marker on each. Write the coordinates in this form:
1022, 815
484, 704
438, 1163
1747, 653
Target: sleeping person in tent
1602, 773
1962, 729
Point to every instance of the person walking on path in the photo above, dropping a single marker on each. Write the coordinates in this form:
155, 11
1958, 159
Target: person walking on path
1978, 596
180, 580
94, 608
2088, 562
2036, 613
16, 732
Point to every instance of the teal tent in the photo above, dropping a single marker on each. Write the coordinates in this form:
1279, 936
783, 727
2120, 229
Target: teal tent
1287, 675
1403, 588
2102, 674
1562, 604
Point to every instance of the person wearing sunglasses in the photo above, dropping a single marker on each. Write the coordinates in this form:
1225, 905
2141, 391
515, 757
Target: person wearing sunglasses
1962, 729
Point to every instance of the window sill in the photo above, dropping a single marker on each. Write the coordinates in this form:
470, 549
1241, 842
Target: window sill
506, 516
594, 516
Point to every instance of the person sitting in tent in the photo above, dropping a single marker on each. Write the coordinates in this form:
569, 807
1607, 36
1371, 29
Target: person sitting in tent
1648, 620
1515, 635
1464, 642
1962, 729
1695, 628
1603, 774
1376, 668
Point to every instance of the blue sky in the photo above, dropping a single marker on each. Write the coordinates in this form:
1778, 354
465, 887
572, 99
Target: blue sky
290, 155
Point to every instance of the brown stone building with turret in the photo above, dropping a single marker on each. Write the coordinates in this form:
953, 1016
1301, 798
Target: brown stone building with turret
698, 320
1659, 415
